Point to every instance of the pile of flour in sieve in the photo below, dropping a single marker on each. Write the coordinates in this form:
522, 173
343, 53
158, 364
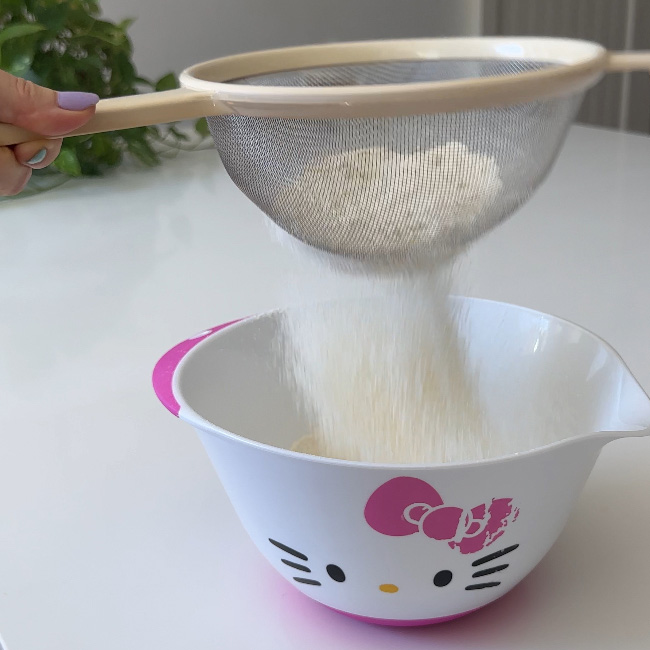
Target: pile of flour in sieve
384, 201
384, 377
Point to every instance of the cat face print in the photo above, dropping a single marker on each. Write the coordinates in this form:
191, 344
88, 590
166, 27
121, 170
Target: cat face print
419, 551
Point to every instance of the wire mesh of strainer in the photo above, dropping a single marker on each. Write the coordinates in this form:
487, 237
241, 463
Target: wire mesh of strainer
394, 188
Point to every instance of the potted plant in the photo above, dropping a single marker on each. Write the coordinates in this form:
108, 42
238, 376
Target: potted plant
68, 45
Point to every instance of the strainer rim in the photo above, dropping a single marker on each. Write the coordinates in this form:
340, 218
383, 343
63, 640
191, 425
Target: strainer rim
580, 64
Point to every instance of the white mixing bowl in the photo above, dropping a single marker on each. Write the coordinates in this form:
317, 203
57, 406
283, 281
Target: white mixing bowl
402, 544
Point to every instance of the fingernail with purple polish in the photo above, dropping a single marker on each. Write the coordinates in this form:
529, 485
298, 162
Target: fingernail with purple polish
74, 101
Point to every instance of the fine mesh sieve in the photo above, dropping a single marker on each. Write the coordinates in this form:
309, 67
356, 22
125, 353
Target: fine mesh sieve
385, 150
394, 188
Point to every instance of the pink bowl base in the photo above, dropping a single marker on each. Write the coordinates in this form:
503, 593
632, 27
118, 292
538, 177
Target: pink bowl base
395, 622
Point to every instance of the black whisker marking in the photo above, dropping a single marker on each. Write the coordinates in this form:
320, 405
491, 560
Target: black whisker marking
307, 581
482, 585
487, 572
289, 550
300, 567
495, 555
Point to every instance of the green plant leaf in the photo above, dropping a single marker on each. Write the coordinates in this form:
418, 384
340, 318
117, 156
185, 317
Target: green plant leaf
168, 82
12, 33
67, 162
145, 82
142, 150
93, 61
11, 6
18, 64
53, 17
126, 23
201, 127
110, 33
18, 30
68, 45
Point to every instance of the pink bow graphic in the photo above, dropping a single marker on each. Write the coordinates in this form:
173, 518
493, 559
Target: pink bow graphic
406, 505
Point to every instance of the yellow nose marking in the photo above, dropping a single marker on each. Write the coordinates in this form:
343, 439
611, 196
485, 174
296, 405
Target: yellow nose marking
389, 589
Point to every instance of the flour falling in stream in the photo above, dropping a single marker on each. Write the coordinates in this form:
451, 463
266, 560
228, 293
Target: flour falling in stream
385, 378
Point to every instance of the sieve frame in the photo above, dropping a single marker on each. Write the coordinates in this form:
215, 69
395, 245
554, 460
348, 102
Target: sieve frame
580, 65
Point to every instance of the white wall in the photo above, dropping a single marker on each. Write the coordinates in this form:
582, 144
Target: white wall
173, 34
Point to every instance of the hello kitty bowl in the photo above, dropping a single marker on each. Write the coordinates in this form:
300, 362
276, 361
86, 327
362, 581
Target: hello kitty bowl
403, 544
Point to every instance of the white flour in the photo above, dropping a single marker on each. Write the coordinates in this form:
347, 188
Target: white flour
370, 198
384, 378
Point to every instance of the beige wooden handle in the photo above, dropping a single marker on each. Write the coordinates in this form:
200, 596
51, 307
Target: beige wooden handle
135, 110
628, 61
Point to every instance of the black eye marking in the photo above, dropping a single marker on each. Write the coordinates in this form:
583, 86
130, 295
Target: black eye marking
482, 585
295, 565
335, 572
495, 555
289, 550
307, 581
487, 572
442, 578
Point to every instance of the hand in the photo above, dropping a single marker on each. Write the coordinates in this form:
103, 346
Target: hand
40, 110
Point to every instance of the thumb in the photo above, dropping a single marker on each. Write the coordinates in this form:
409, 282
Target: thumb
45, 111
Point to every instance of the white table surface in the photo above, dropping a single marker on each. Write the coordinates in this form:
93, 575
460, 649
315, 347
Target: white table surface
115, 533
